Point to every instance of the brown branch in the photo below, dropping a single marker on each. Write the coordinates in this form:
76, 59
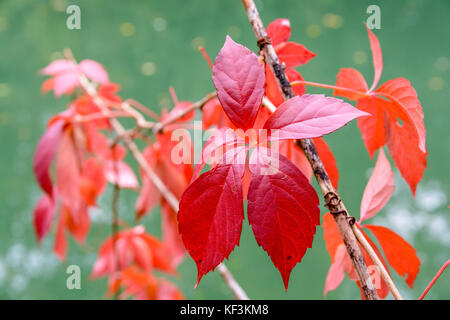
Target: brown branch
332, 199
234, 286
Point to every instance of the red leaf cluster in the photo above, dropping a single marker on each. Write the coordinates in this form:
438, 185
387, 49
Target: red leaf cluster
396, 116
282, 205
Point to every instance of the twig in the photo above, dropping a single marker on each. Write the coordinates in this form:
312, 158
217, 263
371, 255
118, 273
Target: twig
237, 290
115, 218
434, 279
143, 109
332, 199
239, 294
372, 254
158, 127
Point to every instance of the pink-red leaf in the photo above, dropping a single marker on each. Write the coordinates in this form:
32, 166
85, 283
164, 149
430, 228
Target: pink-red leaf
210, 216
45, 152
239, 78
311, 116
119, 172
379, 188
94, 70
377, 58
337, 269
43, 216
282, 210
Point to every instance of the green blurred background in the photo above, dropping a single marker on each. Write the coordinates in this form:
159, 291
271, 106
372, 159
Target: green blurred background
147, 46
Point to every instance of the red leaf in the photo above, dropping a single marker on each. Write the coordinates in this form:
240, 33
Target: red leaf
328, 160
43, 216
221, 142
60, 245
45, 152
170, 236
282, 210
377, 58
92, 181
142, 285
353, 80
311, 116
372, 128
333, 241
297, 157
131, 247
239, 79
400, 254
210, 216
404, 97
279, 31
293, 54
379, 189
409, 159
273, 91
213, 114
179, 109
168, 291
78, 223
68, 175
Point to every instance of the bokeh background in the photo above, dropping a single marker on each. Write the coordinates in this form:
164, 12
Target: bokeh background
147, 46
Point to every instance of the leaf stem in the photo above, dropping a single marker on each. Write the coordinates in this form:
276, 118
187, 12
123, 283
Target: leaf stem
373, 255
431, 284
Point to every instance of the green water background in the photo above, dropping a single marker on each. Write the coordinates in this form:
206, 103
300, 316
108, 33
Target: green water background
124, 35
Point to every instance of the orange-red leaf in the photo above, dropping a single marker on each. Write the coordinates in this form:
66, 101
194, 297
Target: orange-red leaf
409, 159
351, 79
279, 31
400, 254
293, 54
404, 97
372, 127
